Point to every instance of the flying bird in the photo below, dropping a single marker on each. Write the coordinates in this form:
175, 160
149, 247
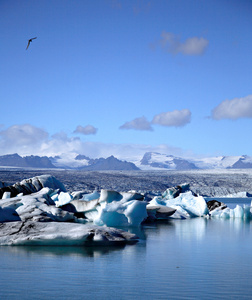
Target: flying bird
29, 41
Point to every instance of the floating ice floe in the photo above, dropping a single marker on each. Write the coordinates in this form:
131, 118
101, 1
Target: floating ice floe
180, 198
241, 212
61, 234
112, 208
117, 213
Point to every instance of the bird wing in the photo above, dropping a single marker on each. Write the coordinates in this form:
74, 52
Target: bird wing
28, 44
34, 38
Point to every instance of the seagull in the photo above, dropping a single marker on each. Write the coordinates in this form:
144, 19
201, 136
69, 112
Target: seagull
29, 41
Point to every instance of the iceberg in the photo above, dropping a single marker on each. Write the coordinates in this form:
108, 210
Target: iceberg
6, 195
33, 185
63, 199
61, 234
80, 195
131, 213
239, 212
186, 204
34, 219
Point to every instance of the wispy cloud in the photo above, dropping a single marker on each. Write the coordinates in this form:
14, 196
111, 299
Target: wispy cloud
138, 124
176, 118
22, 137
191, 46
27, 139
30, 140
233, 109
89, 129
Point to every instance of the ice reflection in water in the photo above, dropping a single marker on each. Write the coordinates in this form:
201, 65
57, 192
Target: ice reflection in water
180, 259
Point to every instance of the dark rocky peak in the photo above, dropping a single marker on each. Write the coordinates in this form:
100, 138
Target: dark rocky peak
82, 157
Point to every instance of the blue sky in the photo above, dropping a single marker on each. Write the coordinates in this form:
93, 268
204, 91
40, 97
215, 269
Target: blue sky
125, 77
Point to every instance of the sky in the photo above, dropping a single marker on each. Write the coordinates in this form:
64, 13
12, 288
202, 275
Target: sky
117, 77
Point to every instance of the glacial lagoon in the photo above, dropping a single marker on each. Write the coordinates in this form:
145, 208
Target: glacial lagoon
196, 258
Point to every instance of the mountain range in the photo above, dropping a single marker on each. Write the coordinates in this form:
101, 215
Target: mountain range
149, 161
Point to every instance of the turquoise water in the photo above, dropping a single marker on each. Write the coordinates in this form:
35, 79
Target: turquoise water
181, 259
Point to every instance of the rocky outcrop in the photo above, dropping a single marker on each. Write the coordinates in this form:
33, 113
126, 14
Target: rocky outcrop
213, 204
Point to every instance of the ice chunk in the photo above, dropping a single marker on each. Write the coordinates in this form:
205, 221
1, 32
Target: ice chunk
83, 196
110, 196
195, 205
246, 210
120, 214
238, 212
131, 195
85, 206
63, 199
6, 195
157, 201
159, 212
61, 234
174, 192
186, 204
8, 214
111, 218
135, 212
92, 196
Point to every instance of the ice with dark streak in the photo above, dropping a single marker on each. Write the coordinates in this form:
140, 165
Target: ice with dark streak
48, 215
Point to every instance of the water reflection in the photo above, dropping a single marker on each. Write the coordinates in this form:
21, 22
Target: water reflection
197, 229
62, 251
179, 259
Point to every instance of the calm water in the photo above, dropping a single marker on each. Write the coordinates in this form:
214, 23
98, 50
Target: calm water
180, 259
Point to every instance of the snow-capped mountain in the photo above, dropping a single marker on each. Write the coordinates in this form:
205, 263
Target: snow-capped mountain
109, 163
15, 160
149, 161
156, 160
224, 162
66, 161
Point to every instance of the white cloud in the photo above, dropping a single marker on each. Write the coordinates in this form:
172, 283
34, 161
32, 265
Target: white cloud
30, 140
129, 152
89, 129
138, 124
233, 109
20, 138
191, 46
176, 118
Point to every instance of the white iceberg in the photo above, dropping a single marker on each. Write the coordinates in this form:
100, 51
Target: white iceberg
131, 213
238, 212
6, 195
186, 204
63, 199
